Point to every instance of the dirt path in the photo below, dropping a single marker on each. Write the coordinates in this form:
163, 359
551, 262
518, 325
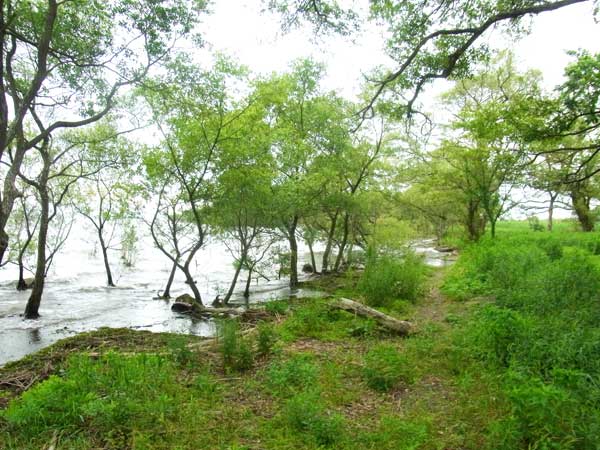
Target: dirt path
434, 306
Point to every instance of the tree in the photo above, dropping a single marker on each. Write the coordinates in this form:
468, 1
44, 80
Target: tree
174, 233
289, 105
107, 196
243, 201
428, 40
59, 172
23, 225
196, 113
63, 64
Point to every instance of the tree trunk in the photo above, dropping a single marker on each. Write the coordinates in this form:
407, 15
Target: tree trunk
551, 210
475, 225
3, 240
232, 285
340, 256
397, 326
493, 228
9, 195
293, 253
349, 256
21, 285
33, 304
313, 261
327, 252
109, 278
188, 277
248, 281
167, 292
581, 205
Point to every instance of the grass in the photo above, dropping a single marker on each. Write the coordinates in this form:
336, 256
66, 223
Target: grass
501, 358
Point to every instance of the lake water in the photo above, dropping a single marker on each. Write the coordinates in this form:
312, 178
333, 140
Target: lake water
76, 298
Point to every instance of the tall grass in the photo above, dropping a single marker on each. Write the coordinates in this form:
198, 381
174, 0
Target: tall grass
391, 277
108, 396
541, 334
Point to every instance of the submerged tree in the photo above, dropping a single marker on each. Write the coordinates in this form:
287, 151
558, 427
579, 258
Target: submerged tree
63, 64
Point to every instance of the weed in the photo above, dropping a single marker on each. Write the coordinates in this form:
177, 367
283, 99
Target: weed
295, 374
385, 368
306, 413
235, 348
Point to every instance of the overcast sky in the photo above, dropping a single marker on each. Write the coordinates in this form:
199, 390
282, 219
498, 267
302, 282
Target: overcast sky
241, 29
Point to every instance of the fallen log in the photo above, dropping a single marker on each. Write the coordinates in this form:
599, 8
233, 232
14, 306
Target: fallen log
397, 326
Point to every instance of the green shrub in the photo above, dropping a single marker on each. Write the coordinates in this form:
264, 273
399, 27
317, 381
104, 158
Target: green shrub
295, 374
387, 278
266, 338
534, 223
235, 348
110, 394
385, 368
363, 328
572, 281
553, 249
306, 414
543, 416
495, 332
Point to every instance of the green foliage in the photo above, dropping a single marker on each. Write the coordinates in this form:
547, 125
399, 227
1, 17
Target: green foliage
266, 338
541, 333
385, 368
276, 307
396, 433
544, 416
496, 331
310, 320
534, 223
180, 352
103, 395
387, 278
235, 349
306, 413
293, 375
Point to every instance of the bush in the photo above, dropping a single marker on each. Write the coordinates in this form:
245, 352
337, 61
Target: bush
543, 416
387, 278
104, 395
494, 333
306, 414
266, 338
235, 349
385, 368
543, 330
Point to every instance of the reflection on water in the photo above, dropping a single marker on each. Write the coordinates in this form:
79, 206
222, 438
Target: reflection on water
76, 298
35, 336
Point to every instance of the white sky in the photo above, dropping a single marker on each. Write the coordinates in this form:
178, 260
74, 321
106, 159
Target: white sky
242, 29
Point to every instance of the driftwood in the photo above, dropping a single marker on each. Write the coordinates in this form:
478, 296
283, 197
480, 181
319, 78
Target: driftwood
397, 326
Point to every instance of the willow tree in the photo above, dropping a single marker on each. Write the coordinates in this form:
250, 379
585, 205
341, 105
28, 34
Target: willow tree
64, 63
243, 202
196, 114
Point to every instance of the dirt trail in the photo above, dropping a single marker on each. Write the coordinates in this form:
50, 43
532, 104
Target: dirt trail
434, 305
